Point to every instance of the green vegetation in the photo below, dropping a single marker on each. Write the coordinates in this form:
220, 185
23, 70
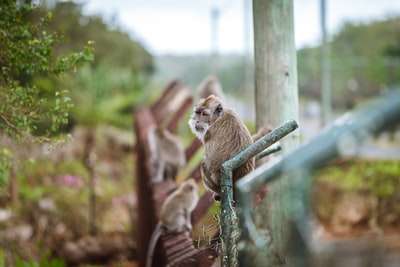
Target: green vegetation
364, 60
61, 69
28, 50
46, 90
105, 96
5, 166
356, 197
380, 177
45, 261
53, 199
35, 59
44, 93
106, 91
113, 47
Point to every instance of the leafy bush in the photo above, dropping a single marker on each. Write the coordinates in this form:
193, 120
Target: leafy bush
381, 177
103, 95
5, 166
364, 59
27, 49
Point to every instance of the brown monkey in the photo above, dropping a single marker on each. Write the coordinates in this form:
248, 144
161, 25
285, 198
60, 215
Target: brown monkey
167, 154
223, 135
175, 214
263, 130
209, 86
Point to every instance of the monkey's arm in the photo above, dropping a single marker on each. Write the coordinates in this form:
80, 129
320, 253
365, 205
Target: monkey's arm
188, 223
159, 175
261, 132
210, 180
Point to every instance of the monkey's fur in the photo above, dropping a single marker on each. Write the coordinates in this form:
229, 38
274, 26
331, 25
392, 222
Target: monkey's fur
175, 214
263, 130
223, 135
209, 86
167, 154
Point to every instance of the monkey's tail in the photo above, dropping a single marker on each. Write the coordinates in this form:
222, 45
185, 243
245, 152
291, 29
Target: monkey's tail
158, 231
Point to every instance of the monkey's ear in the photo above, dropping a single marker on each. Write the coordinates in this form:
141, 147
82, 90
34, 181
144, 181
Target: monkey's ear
219, 109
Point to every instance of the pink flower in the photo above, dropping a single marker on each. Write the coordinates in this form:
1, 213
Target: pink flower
69, 179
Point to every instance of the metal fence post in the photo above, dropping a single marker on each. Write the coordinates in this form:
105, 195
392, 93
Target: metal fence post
229, 228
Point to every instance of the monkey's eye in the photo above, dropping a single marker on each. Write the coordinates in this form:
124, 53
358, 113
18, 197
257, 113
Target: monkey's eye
201, 113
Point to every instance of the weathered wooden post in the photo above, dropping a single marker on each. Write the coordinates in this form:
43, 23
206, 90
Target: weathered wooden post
275, 64
276, 99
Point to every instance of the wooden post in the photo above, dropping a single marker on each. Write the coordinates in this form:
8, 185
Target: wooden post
275, 64
146, 212
276, 98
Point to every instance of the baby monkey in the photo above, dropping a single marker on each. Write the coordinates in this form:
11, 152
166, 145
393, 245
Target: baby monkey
223, 135
175, 214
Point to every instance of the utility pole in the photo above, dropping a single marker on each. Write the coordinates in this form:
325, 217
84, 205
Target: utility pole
246, 44
325, 69
215, 12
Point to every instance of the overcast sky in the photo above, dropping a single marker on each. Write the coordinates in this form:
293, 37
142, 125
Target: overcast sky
184, 27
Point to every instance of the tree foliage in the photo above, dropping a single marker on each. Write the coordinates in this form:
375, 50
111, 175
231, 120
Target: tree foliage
365, 58
35, 52
113, 46
105, 91
28, 49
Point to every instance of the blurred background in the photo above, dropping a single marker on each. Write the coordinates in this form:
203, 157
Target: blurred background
56, 196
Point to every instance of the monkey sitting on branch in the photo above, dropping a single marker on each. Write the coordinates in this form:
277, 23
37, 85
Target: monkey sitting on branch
223, 135
175, 214
167, 154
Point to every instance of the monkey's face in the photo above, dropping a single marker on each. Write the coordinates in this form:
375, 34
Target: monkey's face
204, 115
190, 186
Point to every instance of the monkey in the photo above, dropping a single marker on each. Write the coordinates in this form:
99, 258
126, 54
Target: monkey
167, 154
223, 135
209, 86
263, 130
175, 214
